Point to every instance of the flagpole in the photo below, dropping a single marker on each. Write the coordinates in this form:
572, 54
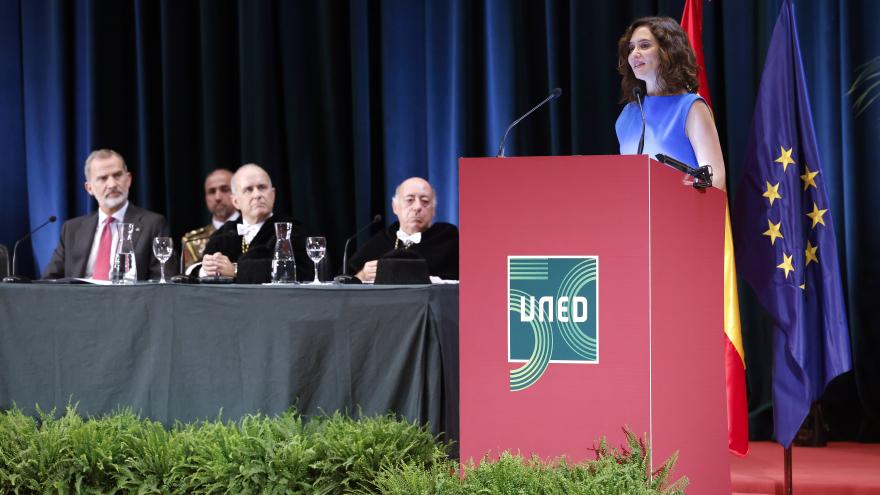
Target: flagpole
786, 482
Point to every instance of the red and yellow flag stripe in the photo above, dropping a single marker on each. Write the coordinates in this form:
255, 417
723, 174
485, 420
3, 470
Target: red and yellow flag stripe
734, 354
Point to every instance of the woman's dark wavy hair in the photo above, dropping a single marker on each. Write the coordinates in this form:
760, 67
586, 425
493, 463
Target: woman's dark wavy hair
678, 65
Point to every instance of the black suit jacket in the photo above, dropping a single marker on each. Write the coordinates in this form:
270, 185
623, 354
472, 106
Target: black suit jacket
77, 234
255, 266
439, 247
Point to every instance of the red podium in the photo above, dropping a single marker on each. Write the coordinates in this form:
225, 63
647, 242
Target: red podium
591, 298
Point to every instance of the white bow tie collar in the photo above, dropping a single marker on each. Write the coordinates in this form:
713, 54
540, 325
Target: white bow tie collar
409, 239
248, 231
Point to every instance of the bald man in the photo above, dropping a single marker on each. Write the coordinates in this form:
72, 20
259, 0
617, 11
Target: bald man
244, 248
414, 203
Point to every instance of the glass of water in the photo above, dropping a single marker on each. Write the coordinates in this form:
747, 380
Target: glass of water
162, 249
316, 247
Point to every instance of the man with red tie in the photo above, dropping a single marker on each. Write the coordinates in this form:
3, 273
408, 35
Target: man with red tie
87, 242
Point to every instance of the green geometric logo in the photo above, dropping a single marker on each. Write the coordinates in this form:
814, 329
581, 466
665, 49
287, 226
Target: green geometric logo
553, 314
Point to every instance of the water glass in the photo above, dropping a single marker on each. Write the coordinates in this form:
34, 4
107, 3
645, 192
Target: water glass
316, 247
162, 249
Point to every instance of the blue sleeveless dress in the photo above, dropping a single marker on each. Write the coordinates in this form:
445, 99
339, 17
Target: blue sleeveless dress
666, 117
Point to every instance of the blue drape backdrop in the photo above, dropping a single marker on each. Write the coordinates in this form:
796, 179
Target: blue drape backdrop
341, 100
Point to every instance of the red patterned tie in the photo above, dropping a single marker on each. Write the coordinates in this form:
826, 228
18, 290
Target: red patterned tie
102, 261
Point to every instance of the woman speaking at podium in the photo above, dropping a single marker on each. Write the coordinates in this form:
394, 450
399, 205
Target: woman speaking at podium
659, 72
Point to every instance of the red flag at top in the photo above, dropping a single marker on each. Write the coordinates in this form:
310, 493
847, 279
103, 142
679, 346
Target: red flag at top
734, 353
692, 23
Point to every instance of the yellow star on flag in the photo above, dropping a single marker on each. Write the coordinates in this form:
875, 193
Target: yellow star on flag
811, 253
784, 158
774, 231
786, 265
816, 215
772, 193
808, 178
803, 286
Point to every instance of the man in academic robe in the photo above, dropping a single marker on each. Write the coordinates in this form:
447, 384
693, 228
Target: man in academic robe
87, 243
414, 203
244, 248
218, 199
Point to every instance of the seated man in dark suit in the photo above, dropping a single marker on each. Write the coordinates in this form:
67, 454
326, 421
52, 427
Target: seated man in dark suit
87, 243
414, 203
218, 198
244, 248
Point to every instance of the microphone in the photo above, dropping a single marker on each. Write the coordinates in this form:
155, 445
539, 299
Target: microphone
637, 92
182, 262
17, 279
182, 277
556, 93
345, 278
702, 175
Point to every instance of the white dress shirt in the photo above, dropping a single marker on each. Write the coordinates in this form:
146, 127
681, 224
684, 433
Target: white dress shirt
219, 223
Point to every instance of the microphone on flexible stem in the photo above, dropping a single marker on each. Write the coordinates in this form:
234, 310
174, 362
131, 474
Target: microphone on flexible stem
17, 279
637, 92
182, 277
345, 278
182, 268
702, 175
553, 94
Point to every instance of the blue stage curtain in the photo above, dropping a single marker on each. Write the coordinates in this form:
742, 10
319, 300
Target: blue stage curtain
341, 100
14, 216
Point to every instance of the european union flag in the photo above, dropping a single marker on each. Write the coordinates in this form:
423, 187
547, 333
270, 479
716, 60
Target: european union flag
784, 237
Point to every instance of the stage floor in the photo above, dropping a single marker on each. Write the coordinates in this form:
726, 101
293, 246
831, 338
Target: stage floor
841, 468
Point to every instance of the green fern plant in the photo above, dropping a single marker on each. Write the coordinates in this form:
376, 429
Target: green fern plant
17, 433
350, 453
336, 454
865, 86
151, 454
625, 470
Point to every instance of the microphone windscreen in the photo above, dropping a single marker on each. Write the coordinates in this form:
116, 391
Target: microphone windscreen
556, 93
52, 218
377, 218
402, 254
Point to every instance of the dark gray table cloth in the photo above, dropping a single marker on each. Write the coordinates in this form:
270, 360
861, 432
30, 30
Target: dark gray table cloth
179, 352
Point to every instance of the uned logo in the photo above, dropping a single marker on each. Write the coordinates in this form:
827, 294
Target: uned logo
576, 305
553, 314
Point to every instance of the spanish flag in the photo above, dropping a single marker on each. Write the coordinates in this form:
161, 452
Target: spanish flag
734, 354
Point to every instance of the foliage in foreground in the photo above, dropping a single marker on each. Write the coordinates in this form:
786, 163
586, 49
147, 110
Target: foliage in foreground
123, 453
623, 471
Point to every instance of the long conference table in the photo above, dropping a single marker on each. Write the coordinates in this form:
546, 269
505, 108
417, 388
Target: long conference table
189, 352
